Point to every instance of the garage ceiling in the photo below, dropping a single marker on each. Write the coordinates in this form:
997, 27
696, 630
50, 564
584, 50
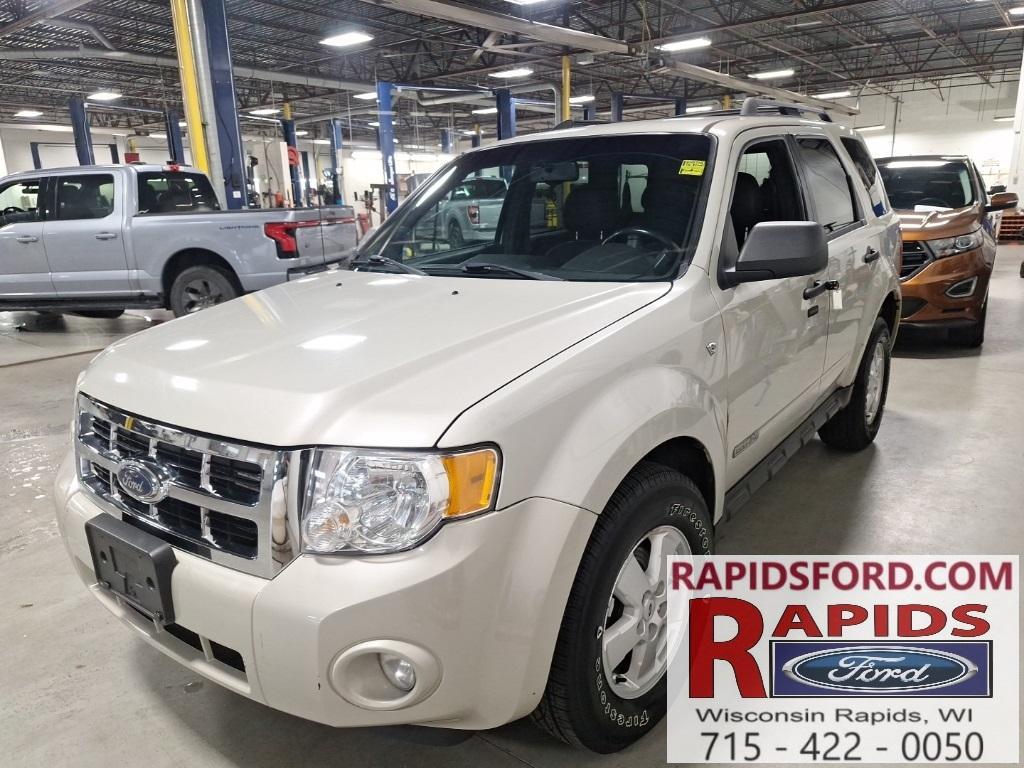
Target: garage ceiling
858, 45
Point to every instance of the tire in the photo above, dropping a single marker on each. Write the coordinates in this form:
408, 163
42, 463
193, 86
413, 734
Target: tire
973, 336
854, 428
582, 705
200, 287
455, 237
101, 314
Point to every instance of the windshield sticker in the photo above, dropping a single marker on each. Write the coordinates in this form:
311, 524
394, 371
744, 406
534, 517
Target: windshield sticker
692, 168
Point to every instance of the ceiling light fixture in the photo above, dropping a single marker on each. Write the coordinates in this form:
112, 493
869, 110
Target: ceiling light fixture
346, 39
684, 45
1016, 11
368, 96
507, 74
264, 111
699, 108
27, 113
486, 111
158, 135
799, 24
302, 133
104, 96
833, 95
582, 99
773, 74
321, 141
1004, 119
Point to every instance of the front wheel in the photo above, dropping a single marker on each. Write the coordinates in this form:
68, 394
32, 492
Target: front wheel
200, 287
607, 686
854, 428
455, 237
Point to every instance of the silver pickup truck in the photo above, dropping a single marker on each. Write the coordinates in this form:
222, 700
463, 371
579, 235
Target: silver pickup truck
102, 239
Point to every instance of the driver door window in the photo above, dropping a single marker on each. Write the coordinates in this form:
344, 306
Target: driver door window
19, 202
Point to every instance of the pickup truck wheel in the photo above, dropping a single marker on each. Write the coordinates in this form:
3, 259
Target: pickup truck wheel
200, 287
854, 428
455, 238
607, 685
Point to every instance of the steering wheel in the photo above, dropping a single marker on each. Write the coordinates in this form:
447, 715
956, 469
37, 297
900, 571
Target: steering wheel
933, 201
645, 232
11, 209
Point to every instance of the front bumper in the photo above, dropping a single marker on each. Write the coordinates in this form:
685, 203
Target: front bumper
924, 295
484, 598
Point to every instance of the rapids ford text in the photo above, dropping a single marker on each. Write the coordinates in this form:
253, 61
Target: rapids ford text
439, 488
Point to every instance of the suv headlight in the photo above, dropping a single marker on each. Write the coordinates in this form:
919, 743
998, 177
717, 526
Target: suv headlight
360, 501
950, 246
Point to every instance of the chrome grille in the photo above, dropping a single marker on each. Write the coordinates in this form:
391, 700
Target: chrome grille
915, 257
222, 497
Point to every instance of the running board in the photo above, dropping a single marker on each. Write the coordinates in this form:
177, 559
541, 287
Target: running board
772, 464
80, 304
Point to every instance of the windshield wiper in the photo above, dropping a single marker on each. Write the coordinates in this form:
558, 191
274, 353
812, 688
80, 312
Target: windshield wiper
377, 259
484, 267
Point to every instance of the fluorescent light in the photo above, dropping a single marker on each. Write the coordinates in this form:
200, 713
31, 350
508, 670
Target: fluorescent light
916, 164
774, 74
468, 133
27, 113
799, 24
374, 124
581, 99
833, 95
158, 135
699, 108
486, 111
264, 111
104, 96
526, 2
1016, 11
321, 141
302, 133
1006, 119
506, 74
346, 39
869, 128
182, 124
685, 45
368, 96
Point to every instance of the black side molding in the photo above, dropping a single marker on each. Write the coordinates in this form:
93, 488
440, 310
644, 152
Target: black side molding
770, 465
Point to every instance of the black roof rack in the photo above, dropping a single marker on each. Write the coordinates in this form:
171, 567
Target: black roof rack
753, 106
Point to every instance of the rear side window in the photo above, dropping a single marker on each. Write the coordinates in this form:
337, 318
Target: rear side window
175, 192
868, 172
84, 197
828, 185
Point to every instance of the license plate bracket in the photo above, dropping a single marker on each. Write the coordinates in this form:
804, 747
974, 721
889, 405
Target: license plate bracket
134, 565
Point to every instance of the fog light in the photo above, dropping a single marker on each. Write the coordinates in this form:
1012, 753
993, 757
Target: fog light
963, 289
399, 671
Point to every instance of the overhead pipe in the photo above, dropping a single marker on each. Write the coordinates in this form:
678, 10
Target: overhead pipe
82, 26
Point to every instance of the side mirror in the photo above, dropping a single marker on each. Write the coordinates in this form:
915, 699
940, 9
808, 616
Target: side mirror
1001, 201
777, 249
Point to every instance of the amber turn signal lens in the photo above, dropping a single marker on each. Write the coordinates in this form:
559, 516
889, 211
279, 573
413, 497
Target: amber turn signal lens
471, 481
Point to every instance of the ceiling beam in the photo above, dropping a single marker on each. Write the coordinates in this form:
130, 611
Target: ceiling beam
511, 25
747, 86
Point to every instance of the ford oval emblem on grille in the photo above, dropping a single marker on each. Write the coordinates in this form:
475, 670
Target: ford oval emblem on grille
142, 481
879, 669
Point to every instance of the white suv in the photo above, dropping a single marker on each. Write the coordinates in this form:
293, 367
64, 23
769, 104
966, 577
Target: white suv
439, 488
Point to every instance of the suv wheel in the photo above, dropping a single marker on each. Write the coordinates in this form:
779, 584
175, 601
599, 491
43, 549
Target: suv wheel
607, 685
455, 238
855, 427
200, 287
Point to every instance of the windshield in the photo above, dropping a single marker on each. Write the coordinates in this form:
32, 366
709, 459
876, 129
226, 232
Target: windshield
929, 183
610, 208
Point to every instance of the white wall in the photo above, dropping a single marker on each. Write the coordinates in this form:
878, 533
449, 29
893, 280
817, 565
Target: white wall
958, 120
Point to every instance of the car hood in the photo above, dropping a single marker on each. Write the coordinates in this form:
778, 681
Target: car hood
929, 225
352, 358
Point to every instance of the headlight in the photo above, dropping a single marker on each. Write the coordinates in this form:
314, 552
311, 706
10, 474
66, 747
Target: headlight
373, 502
950, 246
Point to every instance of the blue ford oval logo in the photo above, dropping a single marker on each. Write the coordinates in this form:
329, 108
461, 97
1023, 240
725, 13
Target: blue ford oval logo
879, 669
141, 481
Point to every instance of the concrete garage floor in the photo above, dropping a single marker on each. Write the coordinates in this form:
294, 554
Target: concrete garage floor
79, 689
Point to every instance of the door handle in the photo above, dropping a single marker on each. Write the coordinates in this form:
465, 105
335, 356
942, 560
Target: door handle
27, 239
106, 235
819, 288
872, 254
